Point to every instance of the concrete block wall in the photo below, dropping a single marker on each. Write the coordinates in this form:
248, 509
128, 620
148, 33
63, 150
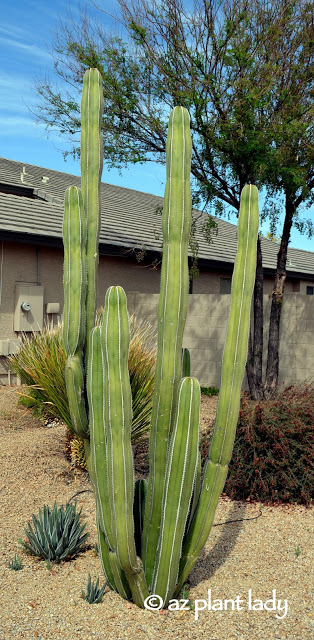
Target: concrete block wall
206, 326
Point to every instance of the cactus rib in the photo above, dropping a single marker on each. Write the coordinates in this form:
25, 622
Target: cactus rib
172, 313
178, 490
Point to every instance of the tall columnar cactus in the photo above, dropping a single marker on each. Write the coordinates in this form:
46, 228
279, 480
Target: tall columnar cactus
81, 227
172, 310
150, 533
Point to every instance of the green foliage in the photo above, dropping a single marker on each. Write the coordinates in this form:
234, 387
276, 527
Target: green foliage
56, 534
210, 391
245, 79
31, 403
40, 364
16, 563
93, 594
272, 460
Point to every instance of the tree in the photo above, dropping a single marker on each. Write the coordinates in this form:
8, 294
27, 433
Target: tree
243, 70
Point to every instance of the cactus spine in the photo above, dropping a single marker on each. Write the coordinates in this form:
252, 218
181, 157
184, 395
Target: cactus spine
150, 533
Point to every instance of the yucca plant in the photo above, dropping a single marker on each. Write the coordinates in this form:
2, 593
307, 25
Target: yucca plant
93, 594
57, 533
16, 563
40, 364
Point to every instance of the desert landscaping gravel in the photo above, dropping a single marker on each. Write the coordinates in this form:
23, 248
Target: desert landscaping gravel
250, 557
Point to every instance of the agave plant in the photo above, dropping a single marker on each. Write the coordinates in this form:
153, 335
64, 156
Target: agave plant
93, 593
57, 534
16, 563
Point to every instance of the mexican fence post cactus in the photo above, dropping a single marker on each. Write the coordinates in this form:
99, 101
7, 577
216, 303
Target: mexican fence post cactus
172, 311
233, 367
150, 533
81, 227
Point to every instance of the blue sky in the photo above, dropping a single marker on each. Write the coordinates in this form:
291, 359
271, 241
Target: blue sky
27, 33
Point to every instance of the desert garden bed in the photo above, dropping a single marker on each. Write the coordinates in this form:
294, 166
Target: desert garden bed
261, 554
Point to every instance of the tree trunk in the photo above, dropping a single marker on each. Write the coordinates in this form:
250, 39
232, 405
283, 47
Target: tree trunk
272, 367
254, 365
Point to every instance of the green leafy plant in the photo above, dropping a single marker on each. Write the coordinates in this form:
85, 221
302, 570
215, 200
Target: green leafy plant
185, 595
150, 533
210, 391
56, 534
16, 563
93, 594
297, 551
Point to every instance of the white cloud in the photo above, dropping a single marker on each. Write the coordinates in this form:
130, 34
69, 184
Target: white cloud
31, 49
12, 30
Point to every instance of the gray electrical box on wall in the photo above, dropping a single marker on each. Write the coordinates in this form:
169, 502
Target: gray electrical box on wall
29, 308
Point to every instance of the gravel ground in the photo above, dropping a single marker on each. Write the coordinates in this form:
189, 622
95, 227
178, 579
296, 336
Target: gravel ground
257, 554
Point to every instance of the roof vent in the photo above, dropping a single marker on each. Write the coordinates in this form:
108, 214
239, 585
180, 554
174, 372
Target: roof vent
44, 179
23, 177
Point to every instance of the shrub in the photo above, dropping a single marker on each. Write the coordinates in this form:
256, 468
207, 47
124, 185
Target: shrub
210, 391
272, 460
57, 534
40, 364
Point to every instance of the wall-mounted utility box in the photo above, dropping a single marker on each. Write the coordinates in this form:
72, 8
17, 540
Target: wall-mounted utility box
29, 308
10, 347
53, 307
4, 347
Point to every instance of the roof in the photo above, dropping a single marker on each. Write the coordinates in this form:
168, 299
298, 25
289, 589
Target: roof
31, 205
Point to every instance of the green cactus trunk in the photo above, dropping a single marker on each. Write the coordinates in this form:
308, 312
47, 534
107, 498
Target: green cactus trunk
91, 167
233, 367
150, 533
172, 311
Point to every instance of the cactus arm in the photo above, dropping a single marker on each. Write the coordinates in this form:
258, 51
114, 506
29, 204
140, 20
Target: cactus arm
122, 585
196, 494
95, 394
233, 367
118, 419
74, 282
212, 486
104, 557
236, 345
74, 275
172, 313
92, 107
74, 380
180, 474
186, 363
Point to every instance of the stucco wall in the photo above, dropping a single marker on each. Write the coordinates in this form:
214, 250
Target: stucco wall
207, 316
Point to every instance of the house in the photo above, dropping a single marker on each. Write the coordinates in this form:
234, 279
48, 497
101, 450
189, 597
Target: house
31, 257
